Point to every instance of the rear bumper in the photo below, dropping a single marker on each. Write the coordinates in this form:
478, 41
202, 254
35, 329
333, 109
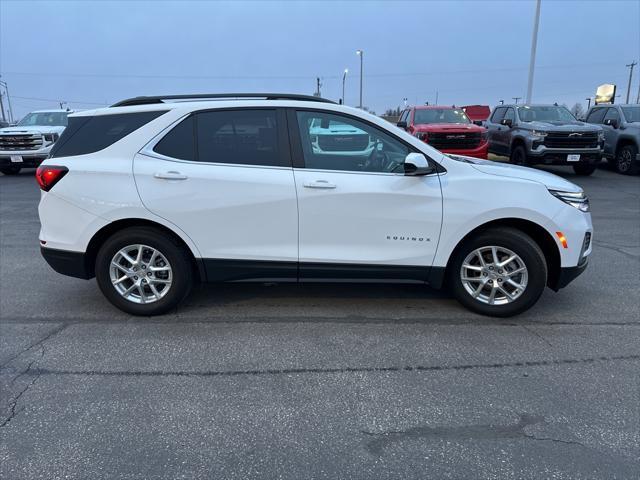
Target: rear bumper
72, 264
480, 152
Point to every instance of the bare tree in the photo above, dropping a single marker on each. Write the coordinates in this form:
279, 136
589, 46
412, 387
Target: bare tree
578, 110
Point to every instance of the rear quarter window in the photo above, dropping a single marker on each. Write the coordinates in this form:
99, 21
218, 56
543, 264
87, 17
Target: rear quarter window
86, 135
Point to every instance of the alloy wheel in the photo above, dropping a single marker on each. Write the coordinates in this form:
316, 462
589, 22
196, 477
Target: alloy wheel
494, 275
140, 274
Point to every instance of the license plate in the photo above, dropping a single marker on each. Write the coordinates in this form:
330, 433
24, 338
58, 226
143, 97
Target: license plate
573, 158
16, 158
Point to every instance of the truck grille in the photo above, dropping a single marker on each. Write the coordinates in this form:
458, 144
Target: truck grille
571, 140
343, 143
20, 142
454, 141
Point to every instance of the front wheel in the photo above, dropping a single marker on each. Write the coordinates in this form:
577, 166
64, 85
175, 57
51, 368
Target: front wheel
626, 162
143, 271
11, 170
584, 168
518, 156
501, 272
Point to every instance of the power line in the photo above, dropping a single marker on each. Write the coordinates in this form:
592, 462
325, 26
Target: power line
57, 100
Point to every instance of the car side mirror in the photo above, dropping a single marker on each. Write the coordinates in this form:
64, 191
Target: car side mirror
612, 122
506, 121
402, 125
416, 164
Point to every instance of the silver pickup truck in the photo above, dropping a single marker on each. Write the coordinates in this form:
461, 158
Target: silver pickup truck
544, 134
621, 124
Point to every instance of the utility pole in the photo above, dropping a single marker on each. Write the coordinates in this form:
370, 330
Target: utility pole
516, 99
4, 119
436, 98
360, 53
318, 85
534, 44
631, 65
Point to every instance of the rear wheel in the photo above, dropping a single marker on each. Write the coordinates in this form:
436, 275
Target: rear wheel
626, 162
143, 272
584, 168
11, 170
518, 155
500, 272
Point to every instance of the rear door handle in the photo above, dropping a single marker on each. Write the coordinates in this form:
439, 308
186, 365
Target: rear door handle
319, 184
170, 175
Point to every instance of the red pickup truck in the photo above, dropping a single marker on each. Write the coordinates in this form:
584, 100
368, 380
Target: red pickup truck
446, 128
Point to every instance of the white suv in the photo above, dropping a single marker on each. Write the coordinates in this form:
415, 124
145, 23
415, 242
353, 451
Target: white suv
155, 193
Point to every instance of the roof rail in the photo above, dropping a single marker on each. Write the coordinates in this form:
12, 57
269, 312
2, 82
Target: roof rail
206, 96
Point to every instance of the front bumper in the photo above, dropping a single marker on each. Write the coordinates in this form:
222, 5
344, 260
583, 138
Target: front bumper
72, 264
558, 156
569, 274
28, 159
481, 151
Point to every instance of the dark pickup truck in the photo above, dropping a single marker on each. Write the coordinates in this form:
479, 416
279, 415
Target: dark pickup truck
544, 134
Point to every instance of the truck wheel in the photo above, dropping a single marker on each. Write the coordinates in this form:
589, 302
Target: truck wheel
142, 271
584, 168
12, 170
518, 156
626, 162
500, 272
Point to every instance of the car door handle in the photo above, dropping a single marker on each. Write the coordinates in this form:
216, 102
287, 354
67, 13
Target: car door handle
319, 184
170, 175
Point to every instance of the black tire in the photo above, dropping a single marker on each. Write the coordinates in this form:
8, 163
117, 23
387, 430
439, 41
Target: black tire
625, 161
584, 168
11, 170
518, 155
519, 243
179, 260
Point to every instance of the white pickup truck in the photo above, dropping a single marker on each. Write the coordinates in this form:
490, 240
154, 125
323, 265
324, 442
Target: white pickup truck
28, 143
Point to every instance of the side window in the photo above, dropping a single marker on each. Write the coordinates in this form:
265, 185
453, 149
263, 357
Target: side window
86, 135
336, 142
179, 142
498, 114
596, 115
612, 114
510, 115
240, 137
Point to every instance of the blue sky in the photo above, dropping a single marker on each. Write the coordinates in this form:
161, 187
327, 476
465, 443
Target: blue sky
94, 53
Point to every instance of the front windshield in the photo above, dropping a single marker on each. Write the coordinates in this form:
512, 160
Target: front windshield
631, 114
49, 119
440, 115
545, 114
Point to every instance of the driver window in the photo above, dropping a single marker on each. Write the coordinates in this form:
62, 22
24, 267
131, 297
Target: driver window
335, 142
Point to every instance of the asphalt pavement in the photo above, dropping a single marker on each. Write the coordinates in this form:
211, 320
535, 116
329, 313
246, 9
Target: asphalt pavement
321, 381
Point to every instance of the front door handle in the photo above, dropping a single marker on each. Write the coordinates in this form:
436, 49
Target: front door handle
319, 184
170, 175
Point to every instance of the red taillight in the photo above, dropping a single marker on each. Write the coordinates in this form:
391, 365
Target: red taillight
47, 176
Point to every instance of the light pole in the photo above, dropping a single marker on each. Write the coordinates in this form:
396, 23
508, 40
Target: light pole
588, 99
344, 79
360, 53
631, 65
532, 59
6, 89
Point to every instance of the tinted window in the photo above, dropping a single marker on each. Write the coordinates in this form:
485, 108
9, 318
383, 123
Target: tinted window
244, 137
632, 114
92, 134
596, 115
543, 113
179, 142
498, 114
49, 119
336, 142
510, 115
612, 114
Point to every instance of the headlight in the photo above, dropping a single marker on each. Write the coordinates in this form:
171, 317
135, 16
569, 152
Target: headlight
424, 136
51, 137
538, 133
578, 200
601, 136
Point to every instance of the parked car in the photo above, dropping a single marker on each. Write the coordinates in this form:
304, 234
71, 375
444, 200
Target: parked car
621, 124
544, 134
332, 137
152, 195
29, 142
478, 114
447, 129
